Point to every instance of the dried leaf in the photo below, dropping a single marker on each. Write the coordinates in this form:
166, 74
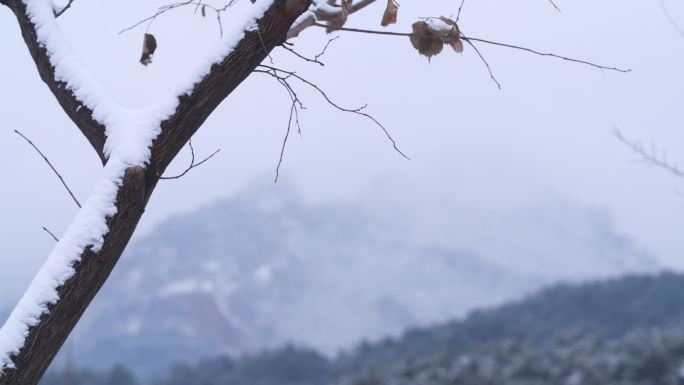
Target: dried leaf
457, 45
390, 15
149, 46
425, 41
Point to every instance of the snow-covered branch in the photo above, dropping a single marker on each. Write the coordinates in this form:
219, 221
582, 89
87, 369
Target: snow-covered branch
136, 146
60, 70
321, 10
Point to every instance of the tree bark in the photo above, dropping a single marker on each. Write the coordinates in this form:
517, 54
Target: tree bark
46, 338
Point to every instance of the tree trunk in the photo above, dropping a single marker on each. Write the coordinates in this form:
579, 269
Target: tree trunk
46, 338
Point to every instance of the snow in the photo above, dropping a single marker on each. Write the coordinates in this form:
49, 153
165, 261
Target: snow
323, 6
130, 134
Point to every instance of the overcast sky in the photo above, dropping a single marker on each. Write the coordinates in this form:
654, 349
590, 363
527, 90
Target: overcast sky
547, 132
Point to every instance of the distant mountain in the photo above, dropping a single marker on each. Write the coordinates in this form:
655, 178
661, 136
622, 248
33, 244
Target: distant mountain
258, 271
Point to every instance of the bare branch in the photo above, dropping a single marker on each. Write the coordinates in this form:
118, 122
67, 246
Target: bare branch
486, 63
169, 7
293, 110
471, 39
283, 74
51, 166
460, 8
553, 3
316, 59
650, 155
601, 67
51, 234
192, 163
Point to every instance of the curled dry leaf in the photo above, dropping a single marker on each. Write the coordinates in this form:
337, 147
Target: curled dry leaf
425, 41
457, 45
430, 35
390, 15
149, 46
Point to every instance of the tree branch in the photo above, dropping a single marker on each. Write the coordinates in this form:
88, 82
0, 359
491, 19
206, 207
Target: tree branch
45, 338
224, 77
80, 114
474, 39
192, 163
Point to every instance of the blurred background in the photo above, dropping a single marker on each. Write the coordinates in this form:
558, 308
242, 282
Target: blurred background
522, 244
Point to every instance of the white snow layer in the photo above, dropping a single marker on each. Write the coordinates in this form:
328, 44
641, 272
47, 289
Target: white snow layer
130, 134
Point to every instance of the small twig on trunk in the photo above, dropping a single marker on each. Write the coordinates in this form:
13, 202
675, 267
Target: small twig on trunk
316, 59
51, 166
51, 234
192, 162
66, 7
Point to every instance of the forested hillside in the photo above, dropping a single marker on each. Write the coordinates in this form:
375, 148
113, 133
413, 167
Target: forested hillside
620, 331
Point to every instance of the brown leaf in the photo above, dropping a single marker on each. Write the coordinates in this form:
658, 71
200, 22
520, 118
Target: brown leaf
425, 41
457, 45
390, 15
149, 46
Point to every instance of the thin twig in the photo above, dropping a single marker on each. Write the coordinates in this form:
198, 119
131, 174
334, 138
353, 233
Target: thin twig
325, 49
357, 111
468, 38
294, 113
601, 67
51, 234
192, 162
554, 5
66, 7
460, 8
287, 135
51, 166
316, 59
486, 63
166, 8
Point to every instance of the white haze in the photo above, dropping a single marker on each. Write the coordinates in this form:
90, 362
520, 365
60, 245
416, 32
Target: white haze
476, 150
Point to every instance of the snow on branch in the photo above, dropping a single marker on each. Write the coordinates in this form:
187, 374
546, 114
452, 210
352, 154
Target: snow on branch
129, 136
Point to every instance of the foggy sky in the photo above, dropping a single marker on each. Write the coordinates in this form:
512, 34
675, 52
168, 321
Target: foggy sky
547, 132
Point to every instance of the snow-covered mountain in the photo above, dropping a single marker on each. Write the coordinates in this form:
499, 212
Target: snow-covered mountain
258, 270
